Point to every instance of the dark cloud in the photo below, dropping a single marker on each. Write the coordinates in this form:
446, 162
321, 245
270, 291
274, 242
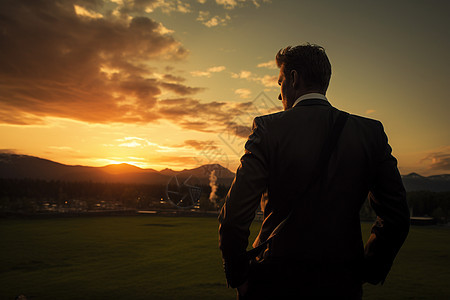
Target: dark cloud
181, 89
194, 115
78, 59
169, 68
11, 115
89, 67
217, 117
172, 78
239, 130
197, 125
198, 145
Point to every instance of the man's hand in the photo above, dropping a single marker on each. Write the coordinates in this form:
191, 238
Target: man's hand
243, 289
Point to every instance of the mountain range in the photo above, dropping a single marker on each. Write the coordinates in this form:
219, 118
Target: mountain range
434, 183
30, 167
24, 166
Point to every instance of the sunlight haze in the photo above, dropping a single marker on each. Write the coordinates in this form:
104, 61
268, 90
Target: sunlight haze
176, 84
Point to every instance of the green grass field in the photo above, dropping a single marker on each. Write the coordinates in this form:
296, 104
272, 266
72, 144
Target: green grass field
148, 257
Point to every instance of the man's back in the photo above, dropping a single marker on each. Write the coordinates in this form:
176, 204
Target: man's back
324, 234
321, 247
331, 209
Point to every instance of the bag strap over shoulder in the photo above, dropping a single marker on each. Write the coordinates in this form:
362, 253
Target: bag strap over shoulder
322, 164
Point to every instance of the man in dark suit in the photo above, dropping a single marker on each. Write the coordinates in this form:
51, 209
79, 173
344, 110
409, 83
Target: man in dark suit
319, 252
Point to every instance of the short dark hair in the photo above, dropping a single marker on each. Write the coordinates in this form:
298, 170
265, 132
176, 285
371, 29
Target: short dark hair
310, 61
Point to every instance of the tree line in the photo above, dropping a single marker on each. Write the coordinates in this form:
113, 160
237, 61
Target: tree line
34, 195
421, 204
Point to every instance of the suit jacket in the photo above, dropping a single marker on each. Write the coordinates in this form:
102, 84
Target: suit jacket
280, 156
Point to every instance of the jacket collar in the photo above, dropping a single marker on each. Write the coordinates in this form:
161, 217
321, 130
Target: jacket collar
310, 96
308, 102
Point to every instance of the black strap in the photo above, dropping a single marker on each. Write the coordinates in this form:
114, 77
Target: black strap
325, 155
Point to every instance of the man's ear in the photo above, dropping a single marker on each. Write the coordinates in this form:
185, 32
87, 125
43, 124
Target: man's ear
295, 79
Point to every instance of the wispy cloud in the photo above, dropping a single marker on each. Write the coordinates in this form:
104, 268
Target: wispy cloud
438, 160
177, 161
219, 18
63, 148
370, 111
243, 93
133, 142
208, 72
137, 142
242, 74
164, 30
81, 11
205, 18
228, 4
271, 64
266, 80
133, 6
231, 4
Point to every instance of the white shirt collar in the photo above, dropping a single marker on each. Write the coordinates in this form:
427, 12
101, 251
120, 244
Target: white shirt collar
310, 96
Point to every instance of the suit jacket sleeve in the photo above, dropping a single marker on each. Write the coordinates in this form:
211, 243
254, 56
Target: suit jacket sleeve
388, 199
241, 203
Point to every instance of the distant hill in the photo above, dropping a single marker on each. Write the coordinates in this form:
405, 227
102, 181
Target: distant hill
124, 168
435, 183
205, 171
24, 166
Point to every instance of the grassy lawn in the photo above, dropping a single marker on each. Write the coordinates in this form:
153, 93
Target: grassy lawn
148, 257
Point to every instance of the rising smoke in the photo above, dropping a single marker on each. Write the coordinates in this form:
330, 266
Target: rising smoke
212, 183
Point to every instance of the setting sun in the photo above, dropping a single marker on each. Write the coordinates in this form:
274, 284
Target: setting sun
177, 83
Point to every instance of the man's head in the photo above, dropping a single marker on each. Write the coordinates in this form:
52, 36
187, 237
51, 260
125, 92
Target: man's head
303, 69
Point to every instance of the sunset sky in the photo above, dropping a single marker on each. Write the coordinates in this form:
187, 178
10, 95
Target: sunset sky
177, 83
